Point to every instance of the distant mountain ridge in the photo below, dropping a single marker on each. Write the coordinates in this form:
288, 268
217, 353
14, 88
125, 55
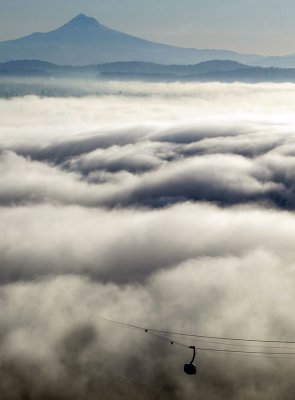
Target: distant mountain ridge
84, 41
207, 71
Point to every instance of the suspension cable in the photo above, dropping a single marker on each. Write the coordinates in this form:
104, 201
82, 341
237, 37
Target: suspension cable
163, 335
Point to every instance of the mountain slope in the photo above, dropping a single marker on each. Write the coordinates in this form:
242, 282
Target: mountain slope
84, 41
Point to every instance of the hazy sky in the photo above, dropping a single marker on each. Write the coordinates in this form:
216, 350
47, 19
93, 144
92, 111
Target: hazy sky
262, 26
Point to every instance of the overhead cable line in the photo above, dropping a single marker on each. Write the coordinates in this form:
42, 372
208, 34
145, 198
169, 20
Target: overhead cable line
161, 334
188, 335
237, 344
190, 368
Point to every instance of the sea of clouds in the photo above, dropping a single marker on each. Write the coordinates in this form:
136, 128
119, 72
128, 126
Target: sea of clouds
162, 205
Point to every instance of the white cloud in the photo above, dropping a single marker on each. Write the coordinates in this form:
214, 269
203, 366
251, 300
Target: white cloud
167, 205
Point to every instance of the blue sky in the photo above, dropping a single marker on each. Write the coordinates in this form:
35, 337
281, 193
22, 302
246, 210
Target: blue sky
260, 26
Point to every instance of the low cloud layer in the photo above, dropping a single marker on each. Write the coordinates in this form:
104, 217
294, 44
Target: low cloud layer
164, 205
204, 145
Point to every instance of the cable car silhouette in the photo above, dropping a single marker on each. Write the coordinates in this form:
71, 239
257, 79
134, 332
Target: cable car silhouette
190, 368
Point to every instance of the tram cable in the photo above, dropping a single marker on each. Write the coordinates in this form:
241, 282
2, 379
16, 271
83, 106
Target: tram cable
194, 339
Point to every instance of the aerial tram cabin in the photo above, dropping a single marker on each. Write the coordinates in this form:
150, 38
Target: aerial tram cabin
190, 368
